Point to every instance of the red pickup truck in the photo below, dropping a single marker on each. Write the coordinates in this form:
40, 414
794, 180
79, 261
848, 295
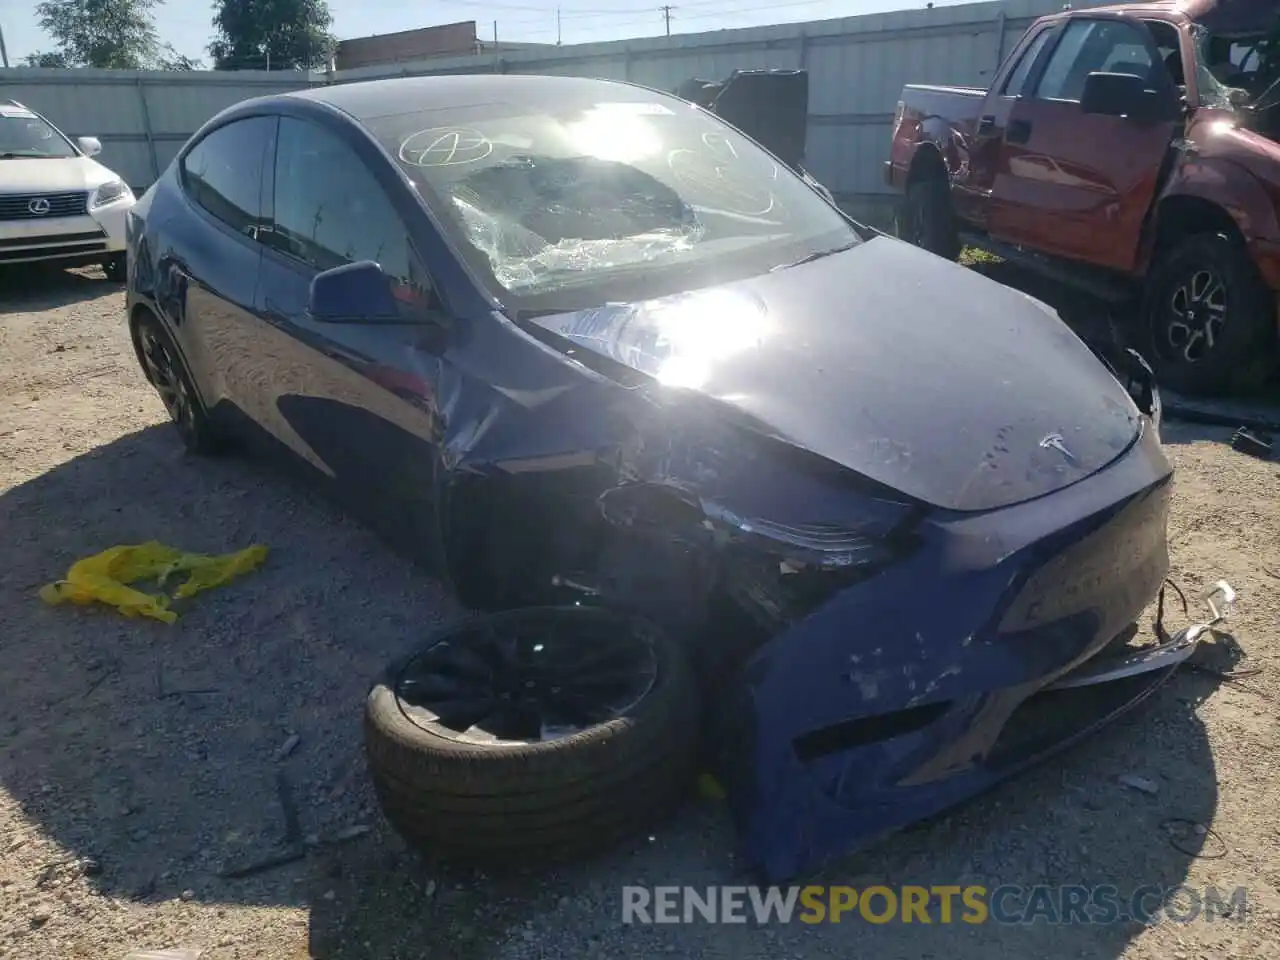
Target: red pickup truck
1130, 150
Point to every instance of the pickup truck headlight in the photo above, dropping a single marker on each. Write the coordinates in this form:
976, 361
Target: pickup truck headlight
110, 192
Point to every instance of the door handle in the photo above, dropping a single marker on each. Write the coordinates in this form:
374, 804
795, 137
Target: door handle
986, 124
1018, 131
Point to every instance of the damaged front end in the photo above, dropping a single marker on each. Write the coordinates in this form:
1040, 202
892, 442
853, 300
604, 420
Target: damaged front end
863, 672
868, 657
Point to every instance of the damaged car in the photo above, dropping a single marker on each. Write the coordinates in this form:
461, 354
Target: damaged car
721, 464
1130, 151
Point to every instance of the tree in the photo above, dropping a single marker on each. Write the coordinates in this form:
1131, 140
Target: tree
171, 59
117, 34
51, 58
272, 34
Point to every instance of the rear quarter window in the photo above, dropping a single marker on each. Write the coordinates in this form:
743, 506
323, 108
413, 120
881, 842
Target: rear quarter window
223, 173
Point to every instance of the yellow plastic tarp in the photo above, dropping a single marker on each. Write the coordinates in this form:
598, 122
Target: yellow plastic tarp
105, 577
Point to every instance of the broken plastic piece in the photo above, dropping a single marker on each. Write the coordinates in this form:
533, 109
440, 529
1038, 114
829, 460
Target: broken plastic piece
104, 577
1225, 603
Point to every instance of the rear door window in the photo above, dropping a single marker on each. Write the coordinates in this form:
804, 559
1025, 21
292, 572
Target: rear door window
223, 173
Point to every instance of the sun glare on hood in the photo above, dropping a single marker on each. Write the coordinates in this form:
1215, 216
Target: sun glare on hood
697, 332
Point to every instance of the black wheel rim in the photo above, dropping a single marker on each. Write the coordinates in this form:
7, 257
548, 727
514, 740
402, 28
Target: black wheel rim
164, 376
1195, 315
528, 680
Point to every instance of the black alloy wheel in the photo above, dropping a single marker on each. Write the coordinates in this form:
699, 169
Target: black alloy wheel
1210, 319
165, 372
533, 735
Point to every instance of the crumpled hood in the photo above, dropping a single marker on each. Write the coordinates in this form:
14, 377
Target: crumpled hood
912, 371
31, 175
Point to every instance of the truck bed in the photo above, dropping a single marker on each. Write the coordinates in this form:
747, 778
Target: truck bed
933, 113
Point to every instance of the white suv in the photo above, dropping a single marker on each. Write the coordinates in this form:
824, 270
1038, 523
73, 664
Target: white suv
56, 204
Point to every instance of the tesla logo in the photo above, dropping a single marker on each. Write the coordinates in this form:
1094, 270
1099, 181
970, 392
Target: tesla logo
39, 206
1054, 441
445, 147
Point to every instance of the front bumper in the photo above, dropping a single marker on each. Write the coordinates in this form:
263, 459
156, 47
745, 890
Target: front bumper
90, 237
933, 681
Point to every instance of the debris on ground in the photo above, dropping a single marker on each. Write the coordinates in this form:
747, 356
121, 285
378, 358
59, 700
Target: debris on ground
288, 747
1139, 783
105, 577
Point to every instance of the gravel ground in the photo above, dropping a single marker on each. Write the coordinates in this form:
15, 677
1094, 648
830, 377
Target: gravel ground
122, 797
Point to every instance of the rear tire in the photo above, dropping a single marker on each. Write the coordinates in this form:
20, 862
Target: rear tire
556, 795
1208, 318
166, 372
925, 217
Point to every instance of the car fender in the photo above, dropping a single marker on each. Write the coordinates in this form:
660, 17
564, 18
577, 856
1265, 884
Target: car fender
1227, 185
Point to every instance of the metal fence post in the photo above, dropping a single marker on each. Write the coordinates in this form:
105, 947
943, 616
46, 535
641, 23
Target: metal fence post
146, 129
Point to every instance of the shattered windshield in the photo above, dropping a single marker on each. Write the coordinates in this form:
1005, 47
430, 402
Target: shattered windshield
23, 134
1237, 67
573, 201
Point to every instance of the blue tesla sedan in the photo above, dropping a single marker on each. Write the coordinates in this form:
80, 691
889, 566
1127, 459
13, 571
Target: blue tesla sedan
574, 341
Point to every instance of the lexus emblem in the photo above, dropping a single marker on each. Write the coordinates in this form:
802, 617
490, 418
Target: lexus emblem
1054, 441
39, 206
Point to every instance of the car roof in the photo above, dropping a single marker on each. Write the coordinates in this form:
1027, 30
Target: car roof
1179, 9
379, 98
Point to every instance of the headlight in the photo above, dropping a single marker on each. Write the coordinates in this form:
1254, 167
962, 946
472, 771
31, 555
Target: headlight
110, 192
780, 572
775, 571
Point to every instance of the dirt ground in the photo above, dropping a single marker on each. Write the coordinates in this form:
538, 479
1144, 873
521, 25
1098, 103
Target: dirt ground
138, 761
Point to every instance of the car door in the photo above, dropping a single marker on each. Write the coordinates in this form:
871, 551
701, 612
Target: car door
210, 263
1080, 185
971, 194
356, 401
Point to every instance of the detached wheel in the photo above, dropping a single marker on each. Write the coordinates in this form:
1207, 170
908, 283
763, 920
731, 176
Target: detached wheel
533, 735
1209, 318
165, 372
925, 217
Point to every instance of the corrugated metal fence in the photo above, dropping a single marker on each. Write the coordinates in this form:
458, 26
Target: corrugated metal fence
857, 68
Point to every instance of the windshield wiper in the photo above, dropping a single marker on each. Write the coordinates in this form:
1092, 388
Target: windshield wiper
818, 255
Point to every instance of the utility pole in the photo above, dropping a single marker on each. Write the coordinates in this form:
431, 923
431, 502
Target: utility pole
4, 53
557, 26
666, 16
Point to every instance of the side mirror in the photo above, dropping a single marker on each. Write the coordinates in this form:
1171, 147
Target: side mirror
89, 146
361, 292
1120, 95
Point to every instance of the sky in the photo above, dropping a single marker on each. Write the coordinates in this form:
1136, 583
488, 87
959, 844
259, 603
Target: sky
185, 23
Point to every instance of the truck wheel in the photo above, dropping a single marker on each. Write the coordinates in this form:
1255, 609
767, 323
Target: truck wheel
925, 218
1209, 318
533, 735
